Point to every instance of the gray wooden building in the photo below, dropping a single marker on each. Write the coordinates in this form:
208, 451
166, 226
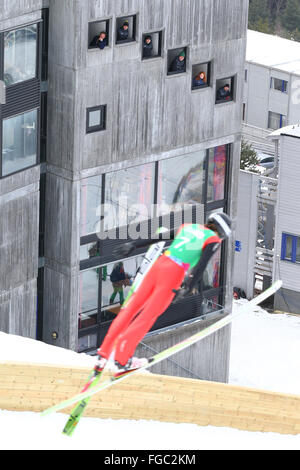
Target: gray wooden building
115, 124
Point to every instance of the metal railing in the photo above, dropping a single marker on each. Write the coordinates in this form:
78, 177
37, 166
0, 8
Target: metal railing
266, 200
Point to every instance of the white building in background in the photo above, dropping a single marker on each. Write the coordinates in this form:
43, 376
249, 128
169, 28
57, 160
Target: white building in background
286, 264
272, 87
268, 225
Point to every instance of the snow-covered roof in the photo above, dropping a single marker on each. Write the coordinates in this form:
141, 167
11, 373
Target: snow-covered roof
273, 51
293, 131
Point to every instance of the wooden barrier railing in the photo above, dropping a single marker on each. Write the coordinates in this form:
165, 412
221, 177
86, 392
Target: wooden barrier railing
35, 387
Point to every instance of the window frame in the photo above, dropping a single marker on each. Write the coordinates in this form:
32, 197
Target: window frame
24, 96
295, 240
281, 118
44, 45
243, 112
272, 85
107, 22
160, 44
134, 29
38, 51
38, 123
103, 113
208, 76
169, 62
232, 80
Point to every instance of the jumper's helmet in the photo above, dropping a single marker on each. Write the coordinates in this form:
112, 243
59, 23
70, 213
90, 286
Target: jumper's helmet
222, 222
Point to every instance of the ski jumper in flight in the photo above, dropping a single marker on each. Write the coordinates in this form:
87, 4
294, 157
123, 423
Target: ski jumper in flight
186, 257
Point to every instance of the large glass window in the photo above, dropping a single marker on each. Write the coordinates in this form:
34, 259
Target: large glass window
19, 142
90, 250
88, 291
216, 173
91, 189
104, 289
20, 55
211, 277
128, 196
181, 180
117, 279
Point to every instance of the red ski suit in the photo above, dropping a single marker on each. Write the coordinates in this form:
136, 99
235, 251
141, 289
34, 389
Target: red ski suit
152, 298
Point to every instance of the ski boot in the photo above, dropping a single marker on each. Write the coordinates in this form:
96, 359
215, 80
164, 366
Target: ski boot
132, 364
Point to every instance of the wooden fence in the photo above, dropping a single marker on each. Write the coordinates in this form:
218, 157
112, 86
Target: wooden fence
34, 387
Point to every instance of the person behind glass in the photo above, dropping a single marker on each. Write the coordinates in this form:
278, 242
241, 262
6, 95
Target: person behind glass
148, 47
200, 79
118, 279
99, 41
123, 31
186, 258
178, 64
223, 93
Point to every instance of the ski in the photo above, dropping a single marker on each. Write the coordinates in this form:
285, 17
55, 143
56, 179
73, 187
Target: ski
150, 257
79, 409
169, 351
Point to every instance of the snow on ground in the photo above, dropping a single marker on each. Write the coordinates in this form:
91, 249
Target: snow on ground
264, 354
265, 351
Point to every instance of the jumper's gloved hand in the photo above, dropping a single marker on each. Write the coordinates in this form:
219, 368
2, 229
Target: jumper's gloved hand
124, 250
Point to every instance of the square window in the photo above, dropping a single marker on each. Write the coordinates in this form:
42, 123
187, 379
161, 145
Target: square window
201, 75
126, 29
98, 34
225, 89
177, 60
96, 119
152, 45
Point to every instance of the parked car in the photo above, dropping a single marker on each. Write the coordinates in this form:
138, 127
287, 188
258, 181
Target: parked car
265, 162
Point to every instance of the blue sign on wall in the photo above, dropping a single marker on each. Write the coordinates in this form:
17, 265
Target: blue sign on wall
238, 246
